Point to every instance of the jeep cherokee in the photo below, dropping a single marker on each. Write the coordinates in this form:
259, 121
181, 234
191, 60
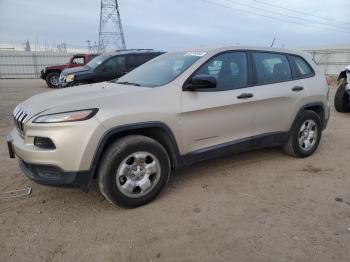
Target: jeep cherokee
177, 109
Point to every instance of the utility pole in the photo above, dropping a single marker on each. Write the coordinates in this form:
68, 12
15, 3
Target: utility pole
111, 30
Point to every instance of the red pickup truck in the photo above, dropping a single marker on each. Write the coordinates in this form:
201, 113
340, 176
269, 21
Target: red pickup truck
51, 74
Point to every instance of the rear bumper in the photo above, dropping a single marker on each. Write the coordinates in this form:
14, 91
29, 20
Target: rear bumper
55, 176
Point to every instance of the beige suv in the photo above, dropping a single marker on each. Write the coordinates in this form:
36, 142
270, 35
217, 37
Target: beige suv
177, 109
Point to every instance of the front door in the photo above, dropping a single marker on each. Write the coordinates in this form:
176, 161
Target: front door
221, 115
113, 68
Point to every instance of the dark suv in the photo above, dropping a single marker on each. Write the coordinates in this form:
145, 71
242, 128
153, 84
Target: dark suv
107, 67
51, 74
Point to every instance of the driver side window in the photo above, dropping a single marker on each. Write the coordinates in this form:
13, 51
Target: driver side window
229, 69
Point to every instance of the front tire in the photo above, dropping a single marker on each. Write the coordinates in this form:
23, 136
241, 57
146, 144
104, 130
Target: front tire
133, 171
52, 79
341, 99
305, 135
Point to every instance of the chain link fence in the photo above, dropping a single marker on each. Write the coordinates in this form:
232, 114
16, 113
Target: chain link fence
28, 64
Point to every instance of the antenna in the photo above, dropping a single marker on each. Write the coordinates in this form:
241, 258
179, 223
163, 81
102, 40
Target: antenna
273, 42
111, 30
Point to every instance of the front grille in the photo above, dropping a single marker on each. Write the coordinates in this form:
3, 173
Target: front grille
20, 115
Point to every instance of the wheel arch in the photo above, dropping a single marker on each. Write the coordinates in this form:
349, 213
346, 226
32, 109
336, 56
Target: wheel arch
317, 107
155, 130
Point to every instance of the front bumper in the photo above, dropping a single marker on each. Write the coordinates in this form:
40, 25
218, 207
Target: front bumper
64, 84
69, 164
55, 176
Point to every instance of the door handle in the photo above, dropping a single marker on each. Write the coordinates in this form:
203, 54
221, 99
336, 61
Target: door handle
245, 95
297, 88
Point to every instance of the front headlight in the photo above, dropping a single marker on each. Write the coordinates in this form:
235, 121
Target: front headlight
67, 116
70, 78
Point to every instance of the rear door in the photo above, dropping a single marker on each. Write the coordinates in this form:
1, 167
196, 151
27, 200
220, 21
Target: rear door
277, 93
135, 60
212, 117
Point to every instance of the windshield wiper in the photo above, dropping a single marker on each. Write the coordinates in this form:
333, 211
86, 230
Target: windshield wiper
128, 83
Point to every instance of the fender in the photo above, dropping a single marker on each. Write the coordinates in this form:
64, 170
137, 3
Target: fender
174, 154
313, 104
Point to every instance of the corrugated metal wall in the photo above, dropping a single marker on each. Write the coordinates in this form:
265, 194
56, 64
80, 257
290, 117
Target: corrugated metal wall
24, 64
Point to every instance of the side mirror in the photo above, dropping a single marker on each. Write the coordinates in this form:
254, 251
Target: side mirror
201, 81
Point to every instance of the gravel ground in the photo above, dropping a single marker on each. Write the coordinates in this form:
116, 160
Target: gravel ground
255, 206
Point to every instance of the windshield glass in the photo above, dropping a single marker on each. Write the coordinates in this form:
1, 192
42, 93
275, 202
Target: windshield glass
97, 61
161, 70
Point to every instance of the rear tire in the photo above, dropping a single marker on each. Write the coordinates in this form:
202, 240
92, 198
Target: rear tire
133, 171
341, 99
52, 79
304, 136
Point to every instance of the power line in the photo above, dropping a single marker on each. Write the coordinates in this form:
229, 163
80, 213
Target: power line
286, 15
301, 12
270, 17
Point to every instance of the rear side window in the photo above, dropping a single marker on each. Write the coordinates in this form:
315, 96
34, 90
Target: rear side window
78, 60
229, 69
303, 68
272, 68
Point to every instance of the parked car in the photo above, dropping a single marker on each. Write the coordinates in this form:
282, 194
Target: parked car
51, 74
175, 110
107, 67
342, 96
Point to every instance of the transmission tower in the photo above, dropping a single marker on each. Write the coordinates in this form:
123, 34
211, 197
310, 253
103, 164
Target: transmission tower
111, 31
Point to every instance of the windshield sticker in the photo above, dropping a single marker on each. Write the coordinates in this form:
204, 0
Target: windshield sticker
197, 53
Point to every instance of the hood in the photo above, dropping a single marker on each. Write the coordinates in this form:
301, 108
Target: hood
78, 97
59, 67
74, 70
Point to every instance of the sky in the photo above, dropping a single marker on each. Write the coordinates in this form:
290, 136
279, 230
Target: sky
180, 24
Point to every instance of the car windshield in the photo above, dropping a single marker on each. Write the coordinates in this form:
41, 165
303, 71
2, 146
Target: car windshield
97, 61
161, 70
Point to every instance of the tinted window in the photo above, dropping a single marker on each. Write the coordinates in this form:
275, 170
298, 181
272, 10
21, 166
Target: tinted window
134, 61
162, 69
115, 64
229, 69
302, 66
271, 68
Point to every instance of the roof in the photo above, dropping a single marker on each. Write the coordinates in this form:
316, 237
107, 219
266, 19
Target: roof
262, 48
133, 51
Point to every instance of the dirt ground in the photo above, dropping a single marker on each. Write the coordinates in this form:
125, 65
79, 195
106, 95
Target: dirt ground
255, 206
